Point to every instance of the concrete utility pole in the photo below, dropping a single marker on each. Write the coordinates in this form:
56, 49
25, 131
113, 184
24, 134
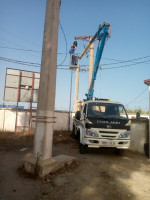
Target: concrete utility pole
91, 58
46, 101
76, 89
43, 140
69, 117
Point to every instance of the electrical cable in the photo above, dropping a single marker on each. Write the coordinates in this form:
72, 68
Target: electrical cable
123, 66
17, 36
137, 97
126, 61
18, 49
120, 61
20, 62
21, 47
65, 42
29, 63
38, 65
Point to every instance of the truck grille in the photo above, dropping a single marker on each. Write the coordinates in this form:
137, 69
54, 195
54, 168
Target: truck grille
108, 134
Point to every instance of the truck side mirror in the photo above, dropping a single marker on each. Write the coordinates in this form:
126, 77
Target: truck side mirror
78, 115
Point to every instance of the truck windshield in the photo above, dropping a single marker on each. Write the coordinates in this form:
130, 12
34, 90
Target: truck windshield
106, 110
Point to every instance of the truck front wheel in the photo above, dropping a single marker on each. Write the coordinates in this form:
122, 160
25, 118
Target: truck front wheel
82, 148
73, 132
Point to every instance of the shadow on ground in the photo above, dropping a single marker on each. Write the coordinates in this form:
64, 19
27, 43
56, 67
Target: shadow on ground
101, 175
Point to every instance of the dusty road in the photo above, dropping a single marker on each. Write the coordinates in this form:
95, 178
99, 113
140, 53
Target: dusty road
100, 175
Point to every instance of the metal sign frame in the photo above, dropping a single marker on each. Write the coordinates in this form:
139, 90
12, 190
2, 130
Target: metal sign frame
21, 86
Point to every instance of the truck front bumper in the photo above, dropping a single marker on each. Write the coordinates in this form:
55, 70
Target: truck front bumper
97, 143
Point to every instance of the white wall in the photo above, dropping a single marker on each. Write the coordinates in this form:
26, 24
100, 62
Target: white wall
8, 119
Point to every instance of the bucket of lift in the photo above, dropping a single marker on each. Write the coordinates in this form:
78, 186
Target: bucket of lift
73, 61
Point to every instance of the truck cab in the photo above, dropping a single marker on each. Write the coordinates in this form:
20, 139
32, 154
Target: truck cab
102, 124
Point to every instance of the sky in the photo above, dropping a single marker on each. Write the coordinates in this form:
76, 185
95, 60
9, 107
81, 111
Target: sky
21, 38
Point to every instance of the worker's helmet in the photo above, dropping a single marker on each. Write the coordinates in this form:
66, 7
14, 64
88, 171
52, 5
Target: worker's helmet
75, 43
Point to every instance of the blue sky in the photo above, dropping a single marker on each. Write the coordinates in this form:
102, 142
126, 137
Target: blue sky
22, 25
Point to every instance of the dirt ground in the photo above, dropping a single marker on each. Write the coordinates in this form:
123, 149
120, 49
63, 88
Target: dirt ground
100, 174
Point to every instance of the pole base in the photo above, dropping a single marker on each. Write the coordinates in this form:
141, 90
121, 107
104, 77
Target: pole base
44, 167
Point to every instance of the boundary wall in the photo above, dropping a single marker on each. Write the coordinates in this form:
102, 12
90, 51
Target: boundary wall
8, 119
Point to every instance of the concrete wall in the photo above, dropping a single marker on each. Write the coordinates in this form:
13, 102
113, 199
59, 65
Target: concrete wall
139, 135
8, 119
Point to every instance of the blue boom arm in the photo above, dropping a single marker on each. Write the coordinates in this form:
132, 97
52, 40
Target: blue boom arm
102, 34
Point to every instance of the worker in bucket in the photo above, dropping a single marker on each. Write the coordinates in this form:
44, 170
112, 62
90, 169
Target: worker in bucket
73, 47
74, 59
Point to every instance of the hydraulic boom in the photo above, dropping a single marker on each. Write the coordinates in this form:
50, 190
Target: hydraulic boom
101, 35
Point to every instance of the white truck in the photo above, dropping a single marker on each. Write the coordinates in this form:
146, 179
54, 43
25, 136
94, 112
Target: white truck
102, 123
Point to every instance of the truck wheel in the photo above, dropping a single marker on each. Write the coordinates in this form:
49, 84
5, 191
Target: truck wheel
119, 152
82, 148
73, 132
78, 135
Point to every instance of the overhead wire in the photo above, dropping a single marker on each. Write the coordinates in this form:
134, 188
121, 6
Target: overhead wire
20, 62
28, 63
126, 61
19, 49
65, 42
28, 53
105, 64
137, 97
22, 49
38, 65
17, 36
123, 66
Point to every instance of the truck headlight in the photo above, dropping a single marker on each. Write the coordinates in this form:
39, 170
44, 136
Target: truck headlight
91, 133
125, 134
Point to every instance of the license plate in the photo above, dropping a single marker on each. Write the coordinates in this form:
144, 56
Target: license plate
108, 143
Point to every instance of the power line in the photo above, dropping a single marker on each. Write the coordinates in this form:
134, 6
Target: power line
20, 62
123, 66
65, 42
38, 65
120, 61
18, 49
126, 61
21, 49
17, 36
136, 97
27, 63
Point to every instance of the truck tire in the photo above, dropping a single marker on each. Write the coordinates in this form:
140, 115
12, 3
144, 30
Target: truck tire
73, 132
119, 152
82, 148
78, 135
